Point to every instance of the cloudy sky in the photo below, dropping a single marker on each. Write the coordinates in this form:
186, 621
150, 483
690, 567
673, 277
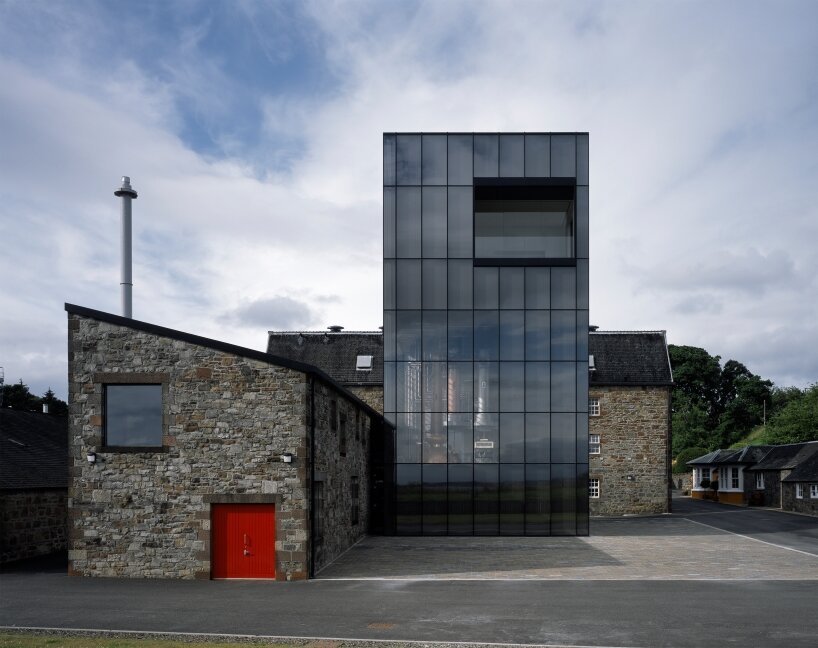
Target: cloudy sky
252, 132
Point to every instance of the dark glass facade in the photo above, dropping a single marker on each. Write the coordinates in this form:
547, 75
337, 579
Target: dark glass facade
486, 333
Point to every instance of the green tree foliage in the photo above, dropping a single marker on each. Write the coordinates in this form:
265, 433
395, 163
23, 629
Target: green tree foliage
686, 455
713, 406
18, 396
797, 420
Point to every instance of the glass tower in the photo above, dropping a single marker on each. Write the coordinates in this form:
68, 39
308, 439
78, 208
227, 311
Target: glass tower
486, 332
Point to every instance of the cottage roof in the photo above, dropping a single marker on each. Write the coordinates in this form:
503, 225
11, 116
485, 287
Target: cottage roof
786, 457
710, 458
226, 347
806, 471
33, 450
337, 353
629, 358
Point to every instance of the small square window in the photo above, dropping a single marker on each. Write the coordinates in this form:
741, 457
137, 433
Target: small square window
593, 488
593, 407
363, 363
133, 416
594, 446
813, 491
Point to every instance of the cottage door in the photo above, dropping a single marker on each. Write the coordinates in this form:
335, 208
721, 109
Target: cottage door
243, 541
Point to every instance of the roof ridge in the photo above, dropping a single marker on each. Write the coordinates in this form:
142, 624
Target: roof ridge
597, 332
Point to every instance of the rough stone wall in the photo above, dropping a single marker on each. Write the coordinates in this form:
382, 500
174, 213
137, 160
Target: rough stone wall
372, 395
633, 429
32, 523
682, 481
806, 505
227, 420
335, 471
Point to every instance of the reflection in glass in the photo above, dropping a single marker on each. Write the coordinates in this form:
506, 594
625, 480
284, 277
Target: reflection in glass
486, 499
460, 284
582, 498
434, 500
486, 287
486, 387
537, 335
563, 335
133, 415
460, 160
460, 499
408, 381
512, 162
407, 221
520, 229
460, 335
537, 288
389, 335
512, 499
407, 447
408, 335
486, 335
563, 156
486, 438
537, 155
537, 499
461, 443
434, 222
434, 283
582, 283
563, 387
408, 499
582, 159
434, 335
389, 222
582, 222
563, 438
389, 283
563, 288
389, 159
512, 287
389, 387
434, 160
408, 160
512, 381
461, 387
408, 283
563, 499
486, 156
537, 387
512, 438
460, 222
512, 346
434, 438
538, 438
434, 386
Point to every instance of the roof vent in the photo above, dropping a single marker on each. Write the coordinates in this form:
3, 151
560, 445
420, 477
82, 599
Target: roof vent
591, 365
335, 328
364, 363
593, 327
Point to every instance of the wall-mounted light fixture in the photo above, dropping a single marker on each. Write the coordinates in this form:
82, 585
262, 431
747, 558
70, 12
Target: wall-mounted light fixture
91, 456
631, 478
287, 457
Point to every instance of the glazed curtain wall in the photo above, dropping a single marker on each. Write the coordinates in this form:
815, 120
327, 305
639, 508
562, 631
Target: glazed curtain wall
486, 360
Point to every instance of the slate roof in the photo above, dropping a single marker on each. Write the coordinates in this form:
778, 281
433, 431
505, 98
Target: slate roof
335, 353
629, 358
709, 458
33, 450
786, 457
747, 455
807, 471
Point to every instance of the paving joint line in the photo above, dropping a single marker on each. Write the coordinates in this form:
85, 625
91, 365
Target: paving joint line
741, 535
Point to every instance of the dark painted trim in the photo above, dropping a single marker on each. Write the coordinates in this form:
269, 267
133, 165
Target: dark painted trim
525, 182
161, 331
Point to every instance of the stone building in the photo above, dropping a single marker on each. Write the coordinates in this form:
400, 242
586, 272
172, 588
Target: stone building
193, 458
33, 484
629, 423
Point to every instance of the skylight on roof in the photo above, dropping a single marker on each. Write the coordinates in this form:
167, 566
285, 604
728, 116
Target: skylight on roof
364, 363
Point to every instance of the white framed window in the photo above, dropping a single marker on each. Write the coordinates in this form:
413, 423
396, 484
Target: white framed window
813, 491
593, 407
593, 488
723, 477
734, 478
799, 491
759, 480
594, 446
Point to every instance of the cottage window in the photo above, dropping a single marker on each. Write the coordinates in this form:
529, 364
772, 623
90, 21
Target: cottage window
593, 488
759, 480
594, 446
593, 407
132, 416
813, 491
799, 491
734, 478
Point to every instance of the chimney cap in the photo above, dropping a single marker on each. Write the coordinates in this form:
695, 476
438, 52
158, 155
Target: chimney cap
335, 328
126, 189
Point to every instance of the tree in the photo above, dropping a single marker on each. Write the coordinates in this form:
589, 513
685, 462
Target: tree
797, 420
18, 396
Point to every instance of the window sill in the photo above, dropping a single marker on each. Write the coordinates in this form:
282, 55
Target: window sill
134, 449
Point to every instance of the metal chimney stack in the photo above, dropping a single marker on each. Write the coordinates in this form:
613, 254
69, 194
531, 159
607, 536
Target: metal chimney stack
127, 194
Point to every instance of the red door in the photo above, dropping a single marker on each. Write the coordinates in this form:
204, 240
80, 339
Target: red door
243, 541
